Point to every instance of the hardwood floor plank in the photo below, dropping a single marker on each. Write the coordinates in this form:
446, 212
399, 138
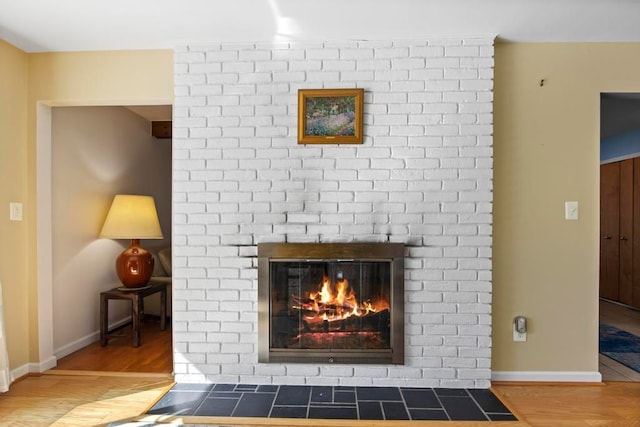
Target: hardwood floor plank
60, 400
557, 405
89, 400
153, 355
620, 316
614, 371
628, 320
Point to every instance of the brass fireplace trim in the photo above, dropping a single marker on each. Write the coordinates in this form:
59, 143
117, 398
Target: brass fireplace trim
393, 252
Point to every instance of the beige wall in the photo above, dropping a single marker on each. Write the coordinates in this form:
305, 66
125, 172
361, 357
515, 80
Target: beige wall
547, 152
102, 78
92, 78
13, 188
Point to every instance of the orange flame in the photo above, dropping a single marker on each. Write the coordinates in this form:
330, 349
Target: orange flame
340, 304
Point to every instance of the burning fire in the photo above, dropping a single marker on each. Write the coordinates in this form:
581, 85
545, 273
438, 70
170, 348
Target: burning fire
340, 303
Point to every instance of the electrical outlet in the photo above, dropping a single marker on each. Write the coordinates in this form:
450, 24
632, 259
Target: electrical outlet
519, 336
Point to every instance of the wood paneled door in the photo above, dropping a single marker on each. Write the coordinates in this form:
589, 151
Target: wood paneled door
635, 231
620, 231
625, 238
609, 230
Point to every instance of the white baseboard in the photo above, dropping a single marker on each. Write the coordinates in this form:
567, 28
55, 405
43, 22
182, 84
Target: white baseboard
33, 368
20, 371
548, 376
78, 344
44, 366
50, 363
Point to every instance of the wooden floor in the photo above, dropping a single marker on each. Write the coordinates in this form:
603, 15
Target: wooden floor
154, 355
76, 394
79, 400
610, 404
628, 320
95, 400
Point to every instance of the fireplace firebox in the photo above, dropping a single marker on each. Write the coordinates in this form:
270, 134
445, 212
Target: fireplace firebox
331, 303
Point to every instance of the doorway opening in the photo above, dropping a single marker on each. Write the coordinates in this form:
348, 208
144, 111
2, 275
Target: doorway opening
86, 155
619, 236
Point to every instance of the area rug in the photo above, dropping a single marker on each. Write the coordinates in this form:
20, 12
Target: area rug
620, 346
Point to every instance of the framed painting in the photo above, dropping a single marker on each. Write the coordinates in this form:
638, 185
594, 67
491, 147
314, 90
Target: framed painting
330, 116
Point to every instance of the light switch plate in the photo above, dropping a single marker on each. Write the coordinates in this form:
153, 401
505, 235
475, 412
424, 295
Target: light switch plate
15, 211
571, 211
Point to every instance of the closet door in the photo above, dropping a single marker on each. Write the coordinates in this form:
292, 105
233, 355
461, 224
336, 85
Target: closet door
635, 297
609, 230
625, 286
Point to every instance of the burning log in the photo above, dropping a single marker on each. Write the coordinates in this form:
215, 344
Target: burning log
310, 304
371, 321
334, 307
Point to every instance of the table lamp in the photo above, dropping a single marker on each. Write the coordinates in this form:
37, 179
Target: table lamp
133, 217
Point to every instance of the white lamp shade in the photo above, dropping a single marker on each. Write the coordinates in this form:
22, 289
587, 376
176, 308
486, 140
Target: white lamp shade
132, 217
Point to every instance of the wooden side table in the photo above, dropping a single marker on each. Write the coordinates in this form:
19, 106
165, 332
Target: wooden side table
136, 296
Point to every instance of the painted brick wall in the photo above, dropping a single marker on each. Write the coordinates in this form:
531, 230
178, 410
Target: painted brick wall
423, 176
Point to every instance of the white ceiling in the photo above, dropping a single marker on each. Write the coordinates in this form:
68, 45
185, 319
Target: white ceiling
76, 25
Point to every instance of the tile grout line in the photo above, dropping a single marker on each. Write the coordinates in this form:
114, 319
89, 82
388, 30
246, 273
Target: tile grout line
478, 405
237, 402
204, 399
273, 403
309, 401
404, 402
442, 405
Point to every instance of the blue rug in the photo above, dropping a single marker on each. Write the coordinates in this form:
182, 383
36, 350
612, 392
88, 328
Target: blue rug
620, 346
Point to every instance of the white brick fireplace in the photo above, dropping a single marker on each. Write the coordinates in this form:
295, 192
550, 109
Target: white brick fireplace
423, 177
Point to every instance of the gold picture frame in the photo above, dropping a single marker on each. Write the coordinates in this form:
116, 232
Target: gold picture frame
330, 116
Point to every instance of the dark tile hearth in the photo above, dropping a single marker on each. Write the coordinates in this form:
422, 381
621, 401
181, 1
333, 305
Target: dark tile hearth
327, 402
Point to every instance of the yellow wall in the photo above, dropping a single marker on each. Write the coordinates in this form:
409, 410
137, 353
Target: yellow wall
83, 78
547, 152
101, 78
13, 188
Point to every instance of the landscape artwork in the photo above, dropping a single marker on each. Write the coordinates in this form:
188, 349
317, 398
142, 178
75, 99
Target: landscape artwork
332, 116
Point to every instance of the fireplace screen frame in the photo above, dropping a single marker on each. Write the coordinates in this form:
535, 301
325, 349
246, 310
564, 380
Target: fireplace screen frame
328, 252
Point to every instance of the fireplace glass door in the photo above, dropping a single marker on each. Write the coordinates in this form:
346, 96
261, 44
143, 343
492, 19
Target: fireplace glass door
330, 305
330, 310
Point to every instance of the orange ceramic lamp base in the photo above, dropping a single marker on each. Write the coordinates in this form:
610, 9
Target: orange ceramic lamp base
135, 265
